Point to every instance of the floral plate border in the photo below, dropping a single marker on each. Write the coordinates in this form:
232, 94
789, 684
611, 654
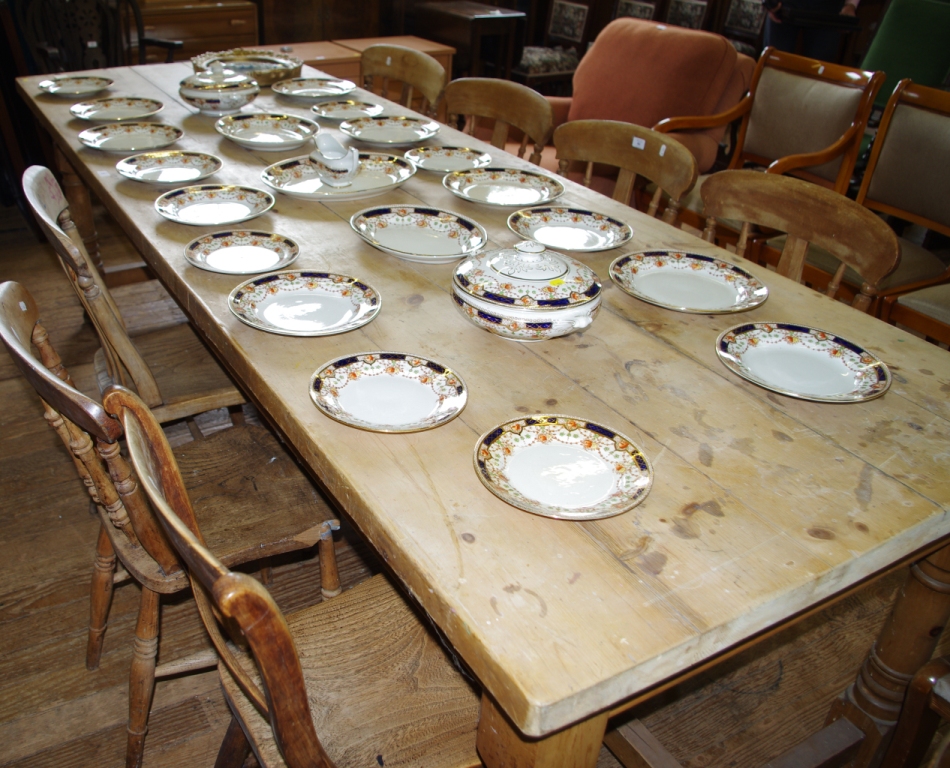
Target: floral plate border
205, 164
198, 250
589, 221
549, 187
470, 235
169, 204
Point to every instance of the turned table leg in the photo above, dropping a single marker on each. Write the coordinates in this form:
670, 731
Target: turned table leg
80, 208
905, 643
500, 745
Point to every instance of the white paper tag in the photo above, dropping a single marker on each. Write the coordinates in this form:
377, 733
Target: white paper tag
23, 306
639, 143
663, 150
389, 61
103, 174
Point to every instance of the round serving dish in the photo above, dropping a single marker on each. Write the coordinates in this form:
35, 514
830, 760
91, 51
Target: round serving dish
526, 293
266, 67
219, 90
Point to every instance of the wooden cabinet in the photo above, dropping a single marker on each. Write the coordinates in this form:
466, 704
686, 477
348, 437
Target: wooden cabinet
202, 27
295, 21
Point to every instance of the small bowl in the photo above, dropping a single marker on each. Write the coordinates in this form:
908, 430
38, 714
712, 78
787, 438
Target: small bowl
526, 293
218, 91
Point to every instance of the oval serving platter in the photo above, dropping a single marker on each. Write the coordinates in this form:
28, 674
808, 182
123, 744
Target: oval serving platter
130, 137
313, 87
802, 362
267, 132
570, 229
241, 252
169, 167
116, 109
687, 282
503, 186
563, 467
213, 204
346, 110
74, 85
300, 177
447, 159
388, 392
305, 303
422, 235
392, 131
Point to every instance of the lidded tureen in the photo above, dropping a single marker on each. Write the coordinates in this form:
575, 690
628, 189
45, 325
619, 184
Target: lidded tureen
218, 90
526, 293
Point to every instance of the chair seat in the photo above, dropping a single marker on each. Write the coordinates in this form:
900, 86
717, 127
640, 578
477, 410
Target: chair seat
916, 264
147, 307
262, 507
933, 302
185, 371
382, 689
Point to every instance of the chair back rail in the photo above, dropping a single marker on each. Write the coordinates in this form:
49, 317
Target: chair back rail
416, 70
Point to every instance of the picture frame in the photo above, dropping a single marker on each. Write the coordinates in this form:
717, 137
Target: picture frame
568, 21
745, 17
687, 13
636, 9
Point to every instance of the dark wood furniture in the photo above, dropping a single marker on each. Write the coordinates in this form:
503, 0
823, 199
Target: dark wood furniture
202, 26
294, 21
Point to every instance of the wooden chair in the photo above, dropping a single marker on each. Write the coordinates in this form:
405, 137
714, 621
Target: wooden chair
414, 69
927, 703
926, 311
266, 507
906, 177
169, 367
508, 104
361, 670
808, 213
636, 151
801, 116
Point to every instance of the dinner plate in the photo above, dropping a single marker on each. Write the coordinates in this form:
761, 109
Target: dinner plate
313, 87
570, 229
425, 235
346, 110
213, 204
393, 131
130, 137
241, 252
304, 303
503, 186
299, 177
169, 167
116, 109
74, 85
803, 362
268, 132
388, 392
563, 467
687, 282
446, 159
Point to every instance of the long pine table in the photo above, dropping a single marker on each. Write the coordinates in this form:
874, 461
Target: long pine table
763, 506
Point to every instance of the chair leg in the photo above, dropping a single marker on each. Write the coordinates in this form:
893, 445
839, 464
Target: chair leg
142, 676
329, 573
100, 599
235, 747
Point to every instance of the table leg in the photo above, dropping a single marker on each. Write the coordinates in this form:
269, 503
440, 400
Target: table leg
905, 643
80, 206
500, 745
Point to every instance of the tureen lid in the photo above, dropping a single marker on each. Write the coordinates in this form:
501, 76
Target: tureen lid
218, 77
528, 276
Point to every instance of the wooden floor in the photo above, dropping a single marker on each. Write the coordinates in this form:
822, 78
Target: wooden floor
55, 713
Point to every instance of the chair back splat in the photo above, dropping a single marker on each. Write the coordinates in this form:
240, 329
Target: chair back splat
416, 70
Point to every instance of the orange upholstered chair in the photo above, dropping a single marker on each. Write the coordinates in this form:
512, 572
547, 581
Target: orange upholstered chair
641, 72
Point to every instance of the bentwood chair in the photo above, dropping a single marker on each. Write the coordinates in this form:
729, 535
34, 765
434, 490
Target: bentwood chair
169, 367
265, 507
636, 151
508, 104
356, 681
416, 70
908, 176
801, 116
807, 213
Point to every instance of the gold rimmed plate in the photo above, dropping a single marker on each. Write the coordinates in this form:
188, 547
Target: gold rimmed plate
169, 167
570, 229
130, 137
503, 186
74, 85
388, 392
447, 159
213, 204
306, 178
269, 132
392, 131
116, 109
346, 110
241, 252
313, 87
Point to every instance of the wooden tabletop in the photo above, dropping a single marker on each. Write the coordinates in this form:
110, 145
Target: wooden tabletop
762, 505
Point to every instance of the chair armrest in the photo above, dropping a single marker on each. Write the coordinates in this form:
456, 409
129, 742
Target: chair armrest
170, 45
702, 122
560, 108
899, 290
809, 159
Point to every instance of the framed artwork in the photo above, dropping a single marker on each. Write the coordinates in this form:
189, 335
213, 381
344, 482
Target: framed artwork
568, 20
687, 13
745, 17
635, 9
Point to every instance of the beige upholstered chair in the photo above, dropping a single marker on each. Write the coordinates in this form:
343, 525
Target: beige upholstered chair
635, 151
415, 70
508, 104
908, 176
356, 681
801, 116
926, 311
808, 213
